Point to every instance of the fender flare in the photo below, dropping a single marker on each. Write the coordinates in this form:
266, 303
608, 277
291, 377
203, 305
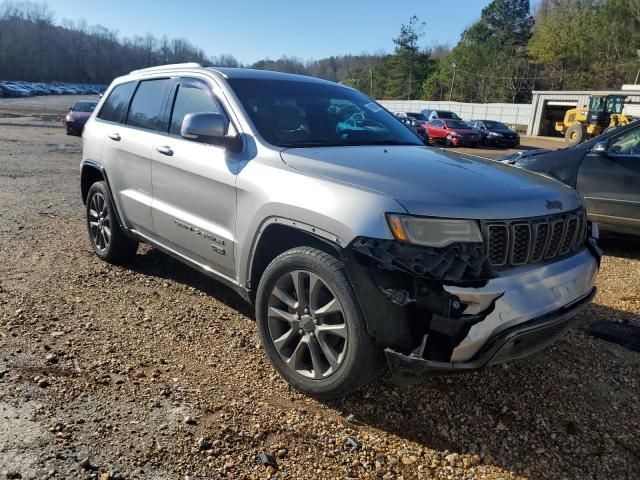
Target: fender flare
328, 238
86, 164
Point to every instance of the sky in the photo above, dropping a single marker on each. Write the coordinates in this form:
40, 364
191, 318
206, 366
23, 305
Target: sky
251, 30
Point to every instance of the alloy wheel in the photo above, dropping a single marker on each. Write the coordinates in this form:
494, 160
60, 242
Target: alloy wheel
307, 325
99, 222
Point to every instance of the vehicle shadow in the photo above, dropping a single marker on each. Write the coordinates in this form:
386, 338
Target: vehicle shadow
620, 245
152, 262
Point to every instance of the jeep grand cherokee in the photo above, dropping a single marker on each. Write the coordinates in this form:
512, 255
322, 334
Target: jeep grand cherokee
347, 234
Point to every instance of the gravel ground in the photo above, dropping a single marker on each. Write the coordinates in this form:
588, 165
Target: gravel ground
155, 371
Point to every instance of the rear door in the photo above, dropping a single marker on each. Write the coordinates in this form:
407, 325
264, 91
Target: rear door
130, 119
194, 198
610, 183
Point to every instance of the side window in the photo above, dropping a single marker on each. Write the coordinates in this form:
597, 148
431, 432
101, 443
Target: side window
115, 107
626, 144
193, 96
147, 103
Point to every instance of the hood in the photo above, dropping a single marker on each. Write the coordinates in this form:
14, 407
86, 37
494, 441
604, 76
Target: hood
464, 131
503, 131
432, 182
79, 115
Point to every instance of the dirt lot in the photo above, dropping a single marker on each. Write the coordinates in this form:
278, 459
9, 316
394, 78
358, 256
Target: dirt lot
154, 371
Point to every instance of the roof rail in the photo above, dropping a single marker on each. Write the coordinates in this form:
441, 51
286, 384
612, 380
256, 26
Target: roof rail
166, 67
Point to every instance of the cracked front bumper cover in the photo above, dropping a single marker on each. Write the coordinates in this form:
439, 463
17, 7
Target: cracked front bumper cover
516, 342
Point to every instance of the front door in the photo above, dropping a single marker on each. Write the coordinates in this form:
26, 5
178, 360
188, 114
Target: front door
610, 183
194, 198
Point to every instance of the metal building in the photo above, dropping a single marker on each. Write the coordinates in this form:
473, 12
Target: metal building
548, 107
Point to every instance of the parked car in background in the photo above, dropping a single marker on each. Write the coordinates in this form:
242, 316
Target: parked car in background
454, 133
496, 133
421, 117
415, 126
605, 170
11, 89
16, 88
442, 114
78, 115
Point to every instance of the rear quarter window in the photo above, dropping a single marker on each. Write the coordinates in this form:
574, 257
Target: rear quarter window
115, 107
145, 110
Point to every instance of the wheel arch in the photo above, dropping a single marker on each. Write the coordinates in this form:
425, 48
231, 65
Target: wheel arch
91, 172
277, 235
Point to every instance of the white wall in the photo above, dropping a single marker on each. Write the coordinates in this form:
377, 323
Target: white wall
509, 113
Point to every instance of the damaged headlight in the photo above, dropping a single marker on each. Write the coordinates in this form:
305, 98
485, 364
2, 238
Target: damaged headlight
433, 232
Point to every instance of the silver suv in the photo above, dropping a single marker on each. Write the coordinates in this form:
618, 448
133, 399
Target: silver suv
346, 233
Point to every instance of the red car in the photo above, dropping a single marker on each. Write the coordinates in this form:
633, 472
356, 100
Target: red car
78, 115
454, 133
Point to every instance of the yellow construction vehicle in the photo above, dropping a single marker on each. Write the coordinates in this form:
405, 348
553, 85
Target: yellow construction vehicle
604, 112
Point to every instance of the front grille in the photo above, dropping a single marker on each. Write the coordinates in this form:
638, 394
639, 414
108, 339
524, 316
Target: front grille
525, 241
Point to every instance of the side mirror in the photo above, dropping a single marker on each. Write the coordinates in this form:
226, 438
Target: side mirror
70, 108
204, 127
600, 148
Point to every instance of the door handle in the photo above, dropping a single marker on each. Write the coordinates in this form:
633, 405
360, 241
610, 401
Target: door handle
115, 137
165, 150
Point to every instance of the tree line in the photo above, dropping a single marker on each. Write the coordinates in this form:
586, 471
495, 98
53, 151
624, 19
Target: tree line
507, 53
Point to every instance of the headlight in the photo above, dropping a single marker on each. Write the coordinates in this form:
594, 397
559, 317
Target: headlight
69, 118
433, 232
495, 134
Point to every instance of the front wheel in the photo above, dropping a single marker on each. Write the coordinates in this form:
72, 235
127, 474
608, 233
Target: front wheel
310, 324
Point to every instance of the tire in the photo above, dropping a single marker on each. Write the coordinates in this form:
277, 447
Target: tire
575, 134
283, 320
107, 238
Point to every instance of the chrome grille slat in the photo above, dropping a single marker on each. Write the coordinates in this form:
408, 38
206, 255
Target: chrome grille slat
540, 241
498, 243
569, 235
526, 241
520, 244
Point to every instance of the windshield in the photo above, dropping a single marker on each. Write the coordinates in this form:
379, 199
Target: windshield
495, 125
418, 116
445, 114
84, 107
459, 124
290, 113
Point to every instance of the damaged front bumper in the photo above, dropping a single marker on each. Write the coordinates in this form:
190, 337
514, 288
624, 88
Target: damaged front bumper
447, 310
531, 307
519, 341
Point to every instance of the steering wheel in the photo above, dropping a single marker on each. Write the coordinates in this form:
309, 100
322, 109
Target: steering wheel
357, 117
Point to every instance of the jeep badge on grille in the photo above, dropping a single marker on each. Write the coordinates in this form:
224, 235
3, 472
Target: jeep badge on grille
554, 204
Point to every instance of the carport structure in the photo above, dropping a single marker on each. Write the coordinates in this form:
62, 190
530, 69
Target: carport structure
549, 107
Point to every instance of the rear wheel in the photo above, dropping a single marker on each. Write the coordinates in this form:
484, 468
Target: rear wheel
575, 134
107, 238
310, 325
